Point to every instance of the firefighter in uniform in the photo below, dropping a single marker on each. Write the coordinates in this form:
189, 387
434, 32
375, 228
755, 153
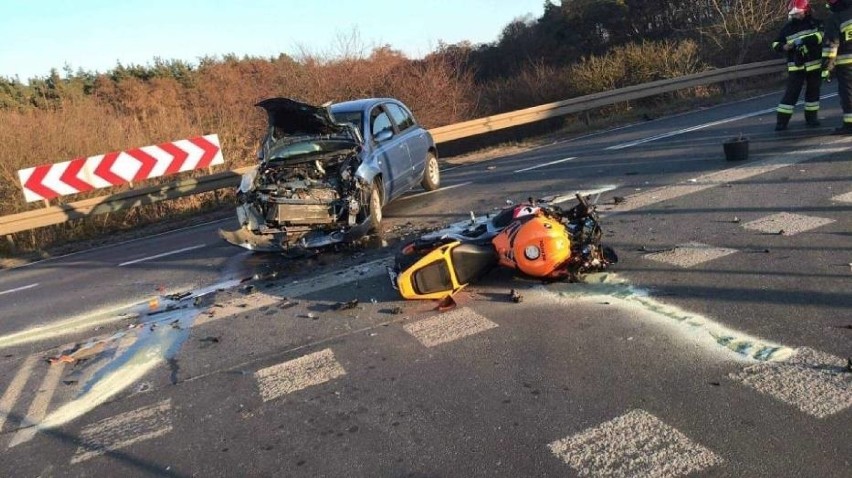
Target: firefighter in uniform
837, 56
801, 39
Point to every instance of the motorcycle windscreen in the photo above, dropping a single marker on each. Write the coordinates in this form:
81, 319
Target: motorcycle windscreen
433, 278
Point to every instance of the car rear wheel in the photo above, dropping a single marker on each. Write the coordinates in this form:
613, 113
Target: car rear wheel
375, 206
431, 174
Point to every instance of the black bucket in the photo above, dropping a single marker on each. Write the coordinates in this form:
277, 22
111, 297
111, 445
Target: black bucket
736, 149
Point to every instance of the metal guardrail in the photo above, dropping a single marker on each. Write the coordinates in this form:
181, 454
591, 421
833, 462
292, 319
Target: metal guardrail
144, 196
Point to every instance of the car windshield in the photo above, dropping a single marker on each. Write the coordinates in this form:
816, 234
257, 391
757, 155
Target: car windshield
353, 117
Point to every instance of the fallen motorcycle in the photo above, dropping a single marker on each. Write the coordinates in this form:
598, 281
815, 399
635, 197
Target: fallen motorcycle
539, 239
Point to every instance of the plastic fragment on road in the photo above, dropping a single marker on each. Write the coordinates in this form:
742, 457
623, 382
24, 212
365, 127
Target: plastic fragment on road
445, 304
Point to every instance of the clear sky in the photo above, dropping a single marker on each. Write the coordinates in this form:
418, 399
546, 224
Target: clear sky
37, 35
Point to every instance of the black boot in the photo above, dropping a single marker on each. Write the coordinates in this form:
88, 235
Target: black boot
811, 118
843, 130
781, 121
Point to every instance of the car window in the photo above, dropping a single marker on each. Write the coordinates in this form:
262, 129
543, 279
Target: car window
353, 117
380, 121
401, 117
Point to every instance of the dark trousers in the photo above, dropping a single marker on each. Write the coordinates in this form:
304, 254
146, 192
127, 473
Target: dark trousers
844, 90
795, 80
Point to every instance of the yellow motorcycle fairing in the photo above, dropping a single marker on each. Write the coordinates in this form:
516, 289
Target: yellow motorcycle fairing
445, 270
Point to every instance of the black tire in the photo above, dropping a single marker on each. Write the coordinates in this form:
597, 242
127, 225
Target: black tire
431, 173
375, 205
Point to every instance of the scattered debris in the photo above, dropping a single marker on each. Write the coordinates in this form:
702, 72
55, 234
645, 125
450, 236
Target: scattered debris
346, 305
249, 289
286, 304
780, 232
445, 304
176, 324
69, 382
618, 199
693, 180
516, 296
81, 353
209, 340
374, 301
849, 364
491, 168
396, 310
179, 296
197, 302
311, 315
736, 220
716, 384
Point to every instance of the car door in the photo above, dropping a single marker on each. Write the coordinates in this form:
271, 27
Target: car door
414, 136
391, 153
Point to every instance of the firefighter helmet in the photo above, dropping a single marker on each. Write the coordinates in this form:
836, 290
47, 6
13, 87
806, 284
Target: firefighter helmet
797, 7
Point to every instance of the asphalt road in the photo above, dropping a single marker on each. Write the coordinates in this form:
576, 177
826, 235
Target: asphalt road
717, 346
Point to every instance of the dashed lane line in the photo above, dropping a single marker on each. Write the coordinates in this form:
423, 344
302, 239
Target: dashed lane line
16, 386
38, 408
815, 382
124, 430
444, 188
715, 179
537, 166
669, 134
690, 254
165, 254
786, 223
18, 289
297, 374
448, 327
634, 444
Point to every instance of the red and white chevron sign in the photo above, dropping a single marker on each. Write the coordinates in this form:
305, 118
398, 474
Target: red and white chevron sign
111, 169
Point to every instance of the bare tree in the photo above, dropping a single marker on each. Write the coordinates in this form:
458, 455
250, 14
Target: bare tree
740, 23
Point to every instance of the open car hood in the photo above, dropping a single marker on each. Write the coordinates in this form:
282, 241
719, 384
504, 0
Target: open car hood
298, 131
293, 118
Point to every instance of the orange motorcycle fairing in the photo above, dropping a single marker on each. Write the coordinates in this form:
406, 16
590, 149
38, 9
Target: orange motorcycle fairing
537, 245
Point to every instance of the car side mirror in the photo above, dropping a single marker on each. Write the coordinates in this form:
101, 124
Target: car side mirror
383, 135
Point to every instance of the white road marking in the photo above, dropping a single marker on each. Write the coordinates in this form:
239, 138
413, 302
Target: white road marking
444, 188
16, 386
789, 223
843, 197
687, 130
448, 327
711, 180
814, 382
185, 249
634, 444
294, 375
273, 295
38, 408
124, 430
690, 254
639, 302
19, 289
698, 127
545, 164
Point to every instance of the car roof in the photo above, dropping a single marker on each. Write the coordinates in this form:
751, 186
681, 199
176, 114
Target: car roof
360, 105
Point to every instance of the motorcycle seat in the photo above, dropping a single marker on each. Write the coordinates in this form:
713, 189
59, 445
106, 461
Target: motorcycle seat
471, 260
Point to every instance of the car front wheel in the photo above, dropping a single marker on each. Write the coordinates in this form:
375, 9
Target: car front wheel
431, 174
375, 206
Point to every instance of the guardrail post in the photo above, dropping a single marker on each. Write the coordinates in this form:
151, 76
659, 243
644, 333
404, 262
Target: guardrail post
11, 240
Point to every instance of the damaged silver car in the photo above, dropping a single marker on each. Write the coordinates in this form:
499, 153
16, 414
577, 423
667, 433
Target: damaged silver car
326, 172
